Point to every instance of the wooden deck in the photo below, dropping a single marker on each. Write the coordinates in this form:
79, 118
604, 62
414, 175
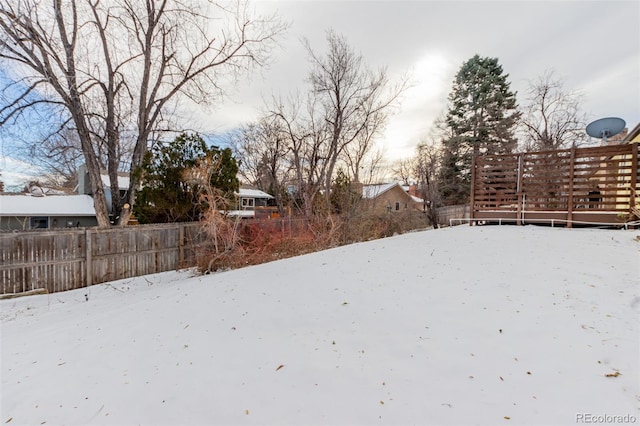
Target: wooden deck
589, 186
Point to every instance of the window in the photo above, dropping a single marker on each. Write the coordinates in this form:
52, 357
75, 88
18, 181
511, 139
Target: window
397, 206
39, 222
248, 203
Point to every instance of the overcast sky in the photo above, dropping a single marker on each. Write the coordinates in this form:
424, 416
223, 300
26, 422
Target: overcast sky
593, 45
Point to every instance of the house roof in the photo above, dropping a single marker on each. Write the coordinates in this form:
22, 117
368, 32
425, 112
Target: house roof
249, 192
633, 134
123, 181
52, 205
240, 213
373, 191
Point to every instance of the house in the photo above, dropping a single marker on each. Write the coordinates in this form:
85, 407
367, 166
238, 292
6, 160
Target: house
84, 184
633, 136
250, 197
390, 197
254, 203
26, 211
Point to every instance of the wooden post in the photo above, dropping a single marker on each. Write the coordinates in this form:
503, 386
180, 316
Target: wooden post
571, 177
181, 246
472, 196
87, 257
634, 177
519, 189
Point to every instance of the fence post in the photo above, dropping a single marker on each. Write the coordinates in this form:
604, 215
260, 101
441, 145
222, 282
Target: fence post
181, 246
474, 162
88, 254
572, 161
634, 178
519, 189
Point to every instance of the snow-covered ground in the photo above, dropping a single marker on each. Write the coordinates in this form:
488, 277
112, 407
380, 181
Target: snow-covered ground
465, 325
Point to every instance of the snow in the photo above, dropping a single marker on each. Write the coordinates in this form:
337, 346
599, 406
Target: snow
240, 213
252, 193
372, 191
465, 325
123, 182
50, 205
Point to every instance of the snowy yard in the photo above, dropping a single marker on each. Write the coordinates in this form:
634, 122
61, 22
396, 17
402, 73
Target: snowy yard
466, 325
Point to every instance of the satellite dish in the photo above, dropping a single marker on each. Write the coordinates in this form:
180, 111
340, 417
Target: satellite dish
605, 127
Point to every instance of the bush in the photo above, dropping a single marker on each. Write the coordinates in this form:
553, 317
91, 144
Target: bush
260, 241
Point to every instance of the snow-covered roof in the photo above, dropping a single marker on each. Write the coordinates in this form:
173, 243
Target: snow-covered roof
373, 191
253, 193
123, 182
241, 213
52, 205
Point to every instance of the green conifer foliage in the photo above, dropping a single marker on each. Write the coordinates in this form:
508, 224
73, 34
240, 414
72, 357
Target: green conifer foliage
167, 195
481, 120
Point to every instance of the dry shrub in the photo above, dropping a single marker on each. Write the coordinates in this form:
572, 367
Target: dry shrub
243, 243
263, 244
257, 242
368, 225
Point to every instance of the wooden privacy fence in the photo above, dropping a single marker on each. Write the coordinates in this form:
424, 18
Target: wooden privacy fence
73, 258
446, 213
284, 227
578, 185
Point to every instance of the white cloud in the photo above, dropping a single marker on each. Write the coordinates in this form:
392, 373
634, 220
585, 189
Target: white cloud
593, 45
16, 173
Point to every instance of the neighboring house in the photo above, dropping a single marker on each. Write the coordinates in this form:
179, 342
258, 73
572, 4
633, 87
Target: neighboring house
84, 184
250, 197
26, 211
253, 203
390, 197
633, 136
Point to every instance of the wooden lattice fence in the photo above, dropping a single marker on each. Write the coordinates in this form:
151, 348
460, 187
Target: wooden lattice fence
579, 185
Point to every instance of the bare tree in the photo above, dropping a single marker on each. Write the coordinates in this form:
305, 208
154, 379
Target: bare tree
354, 100
60, 155
306, 134
426, 165
372, 168
403, 169
551, 117
358, 151
262, 148
119, 66
302, 139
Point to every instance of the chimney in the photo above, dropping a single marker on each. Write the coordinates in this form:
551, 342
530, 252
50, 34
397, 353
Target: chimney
356, 187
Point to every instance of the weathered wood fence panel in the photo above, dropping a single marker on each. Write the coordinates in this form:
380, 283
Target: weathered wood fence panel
446, 213
69, 259
589, 185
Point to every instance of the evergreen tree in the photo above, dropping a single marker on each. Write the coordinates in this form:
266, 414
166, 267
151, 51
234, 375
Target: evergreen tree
167, 195
343, 197
481, 120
